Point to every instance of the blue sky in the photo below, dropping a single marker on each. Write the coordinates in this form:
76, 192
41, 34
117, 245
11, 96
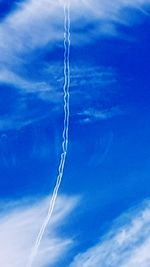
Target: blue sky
102, 213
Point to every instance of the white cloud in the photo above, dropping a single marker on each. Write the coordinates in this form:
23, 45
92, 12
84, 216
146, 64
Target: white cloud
89, 75
37, 24
43, 89
9, 77
19, 224
31, 26
93, 114
126, 245
49, 91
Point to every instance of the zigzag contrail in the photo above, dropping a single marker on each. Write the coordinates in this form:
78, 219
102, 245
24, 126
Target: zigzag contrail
65, 131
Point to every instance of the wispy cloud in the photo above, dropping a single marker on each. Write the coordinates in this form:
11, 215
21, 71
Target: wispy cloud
93, 114
34, 26
44, 89
126, 245
31, 26
89, 75
19, 224
10, 78
38, 24
19, 115
47, 96
91, 85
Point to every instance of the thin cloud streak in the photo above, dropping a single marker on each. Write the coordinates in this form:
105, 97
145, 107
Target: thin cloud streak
38, 24
19, 223
93, 114
126, 245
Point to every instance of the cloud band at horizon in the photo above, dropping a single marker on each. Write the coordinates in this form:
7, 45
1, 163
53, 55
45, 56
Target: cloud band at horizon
66, 88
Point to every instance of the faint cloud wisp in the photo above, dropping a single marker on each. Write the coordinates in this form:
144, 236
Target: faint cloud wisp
20, 222
126, 245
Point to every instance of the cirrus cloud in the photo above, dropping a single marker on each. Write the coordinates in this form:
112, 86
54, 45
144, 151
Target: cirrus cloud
20, 222
127, 244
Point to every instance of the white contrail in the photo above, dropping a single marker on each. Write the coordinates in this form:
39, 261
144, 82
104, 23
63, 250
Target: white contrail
65, 131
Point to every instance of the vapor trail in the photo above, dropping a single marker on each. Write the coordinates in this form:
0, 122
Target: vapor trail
64, 134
